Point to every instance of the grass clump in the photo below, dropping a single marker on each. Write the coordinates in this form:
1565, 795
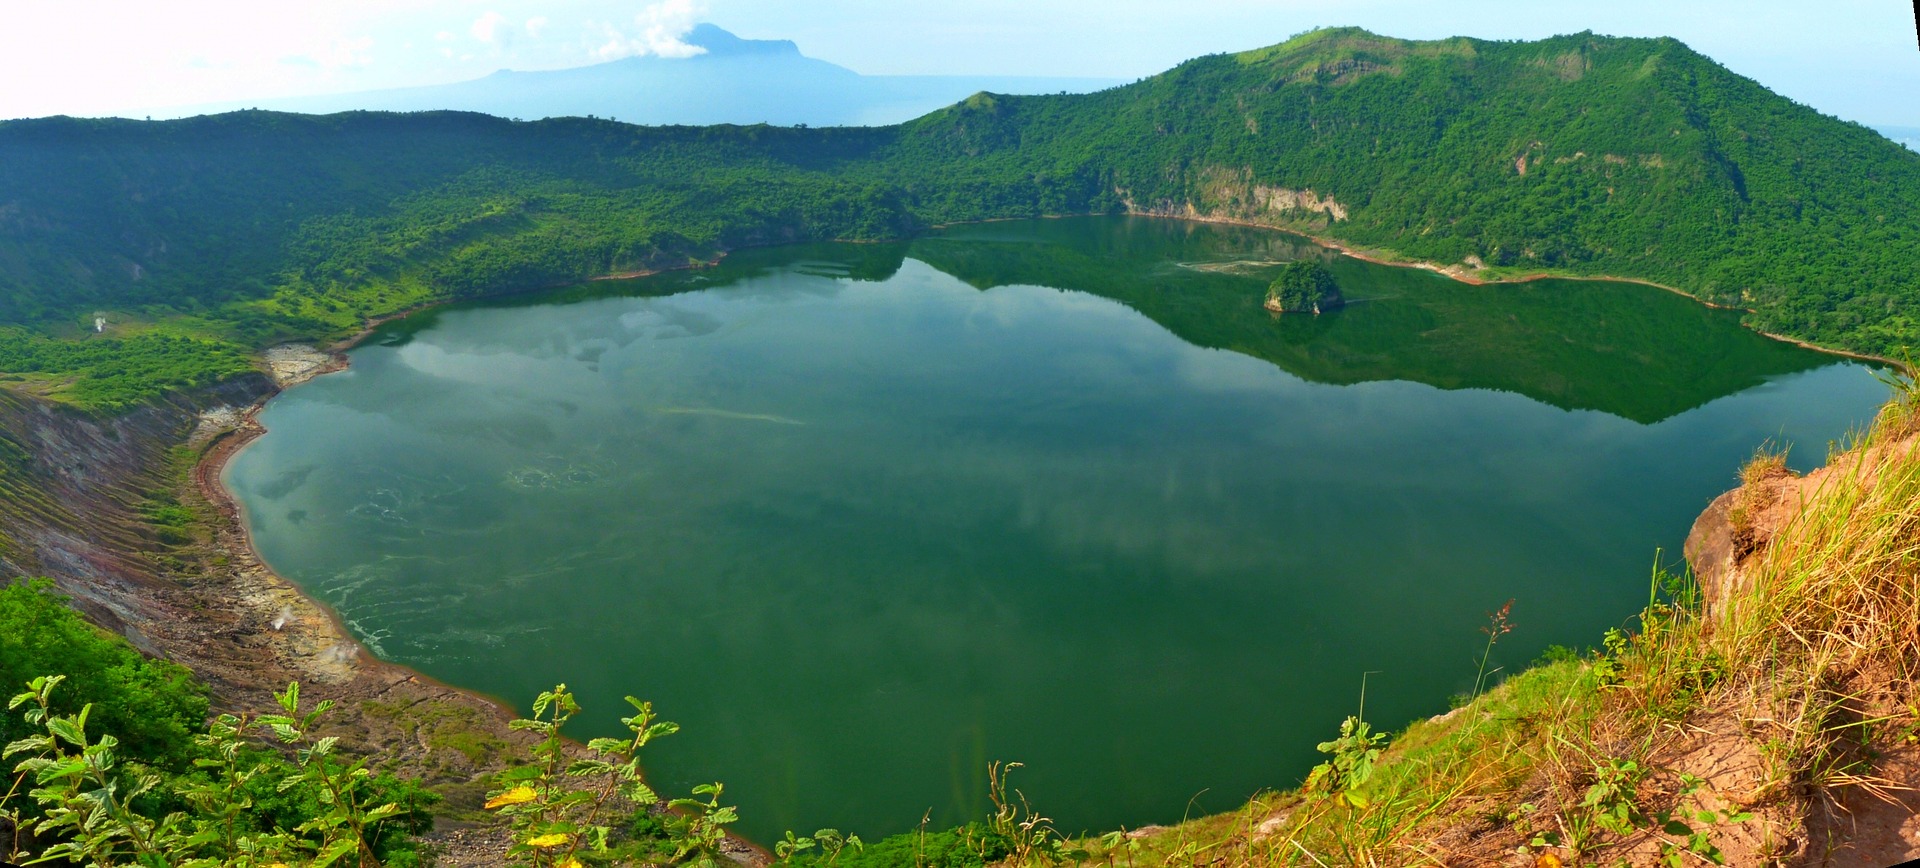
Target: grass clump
1822, 651
1767, 463
970, 846
1755, 495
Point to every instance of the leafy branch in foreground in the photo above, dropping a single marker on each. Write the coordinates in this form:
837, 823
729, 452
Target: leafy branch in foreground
79, 786
81, 798
556, 802
92, 806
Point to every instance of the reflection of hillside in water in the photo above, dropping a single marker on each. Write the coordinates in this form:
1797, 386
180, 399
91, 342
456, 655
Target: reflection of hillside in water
1633, 351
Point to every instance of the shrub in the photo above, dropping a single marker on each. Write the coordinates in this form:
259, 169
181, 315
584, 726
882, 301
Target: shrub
153, 707
1304, 287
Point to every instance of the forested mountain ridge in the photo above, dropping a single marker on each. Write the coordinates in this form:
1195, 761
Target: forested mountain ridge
1597, 155
1579, 154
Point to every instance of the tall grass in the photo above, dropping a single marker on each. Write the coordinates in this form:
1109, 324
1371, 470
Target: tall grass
1823, 637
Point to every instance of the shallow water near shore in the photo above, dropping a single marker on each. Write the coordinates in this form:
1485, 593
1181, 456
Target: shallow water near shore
864, 517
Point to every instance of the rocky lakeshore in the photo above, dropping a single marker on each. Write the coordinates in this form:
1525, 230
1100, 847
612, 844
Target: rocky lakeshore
453, 739
78, 489
78, 492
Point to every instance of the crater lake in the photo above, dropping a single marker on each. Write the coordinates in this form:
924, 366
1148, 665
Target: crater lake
862, 518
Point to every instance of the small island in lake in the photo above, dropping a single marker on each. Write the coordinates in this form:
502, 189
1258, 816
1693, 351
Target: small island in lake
1304, 287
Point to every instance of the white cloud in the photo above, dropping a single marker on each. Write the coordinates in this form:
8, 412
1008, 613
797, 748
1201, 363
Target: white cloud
536, 24
662, 30
345, 53
489, 27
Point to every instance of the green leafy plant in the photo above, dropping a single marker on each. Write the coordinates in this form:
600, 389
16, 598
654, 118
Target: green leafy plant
554, 803
82, 789
1611, 799
830, 842
1352, 759
88, 797
699, 825
1609, 665
1612, 804
1679, 838
345, 787
1119, 843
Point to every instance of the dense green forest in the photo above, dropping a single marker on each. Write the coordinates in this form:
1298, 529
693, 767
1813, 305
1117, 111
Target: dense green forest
1579, 154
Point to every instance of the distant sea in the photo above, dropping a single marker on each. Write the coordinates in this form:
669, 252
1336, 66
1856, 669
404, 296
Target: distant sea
1909, 136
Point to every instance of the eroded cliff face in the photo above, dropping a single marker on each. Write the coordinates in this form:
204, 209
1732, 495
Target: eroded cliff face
1740, 524
76, 487
1223, 193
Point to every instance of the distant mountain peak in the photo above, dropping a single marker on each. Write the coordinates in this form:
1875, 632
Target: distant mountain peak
716, 42
732, 80
721, 43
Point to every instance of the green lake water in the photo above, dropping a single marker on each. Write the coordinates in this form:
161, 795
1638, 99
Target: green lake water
864, 517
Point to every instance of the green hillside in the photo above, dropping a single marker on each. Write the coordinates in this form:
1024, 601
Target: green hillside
1578, 155
1585, 154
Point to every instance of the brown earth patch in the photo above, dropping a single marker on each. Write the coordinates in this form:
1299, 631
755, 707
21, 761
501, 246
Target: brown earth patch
1871, 817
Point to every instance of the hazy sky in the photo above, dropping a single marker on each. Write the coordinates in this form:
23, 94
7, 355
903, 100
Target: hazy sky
1853, 58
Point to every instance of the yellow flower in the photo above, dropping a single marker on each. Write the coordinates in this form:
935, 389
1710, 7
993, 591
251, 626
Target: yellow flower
548, 842
570, 862
1547, 860
519, 795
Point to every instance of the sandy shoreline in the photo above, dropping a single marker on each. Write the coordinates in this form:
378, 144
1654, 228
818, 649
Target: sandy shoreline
327, 648
330, 651
334, 649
